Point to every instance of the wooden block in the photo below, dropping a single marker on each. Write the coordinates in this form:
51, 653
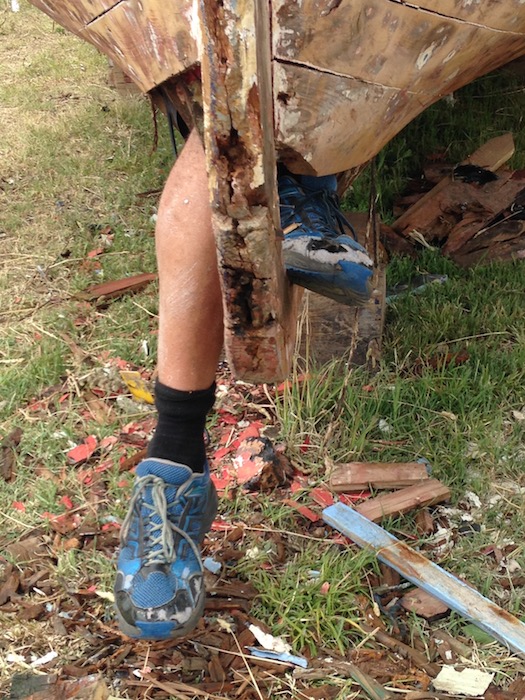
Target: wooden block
398, 502
413, 566
357, 476
424, 604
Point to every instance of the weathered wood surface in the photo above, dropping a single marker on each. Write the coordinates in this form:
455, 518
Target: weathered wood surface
373, 66
356, 476
426, 493
429, 576
259, 302
150, 40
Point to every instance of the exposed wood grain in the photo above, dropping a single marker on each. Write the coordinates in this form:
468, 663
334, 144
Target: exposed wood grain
74, 15
150, 40
389, 44
259, 302
504, 15
427, 493
429, 576
357, 476
390, 63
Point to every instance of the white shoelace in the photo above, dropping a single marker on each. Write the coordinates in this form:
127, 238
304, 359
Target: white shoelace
162, 545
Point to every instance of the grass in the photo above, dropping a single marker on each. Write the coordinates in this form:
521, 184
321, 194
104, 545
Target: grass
76, 157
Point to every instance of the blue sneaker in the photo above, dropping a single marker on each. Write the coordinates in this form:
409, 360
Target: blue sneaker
159, 589
320, 251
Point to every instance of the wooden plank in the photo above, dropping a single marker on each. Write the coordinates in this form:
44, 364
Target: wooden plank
357, 476
259, 302
429, 576
398, 502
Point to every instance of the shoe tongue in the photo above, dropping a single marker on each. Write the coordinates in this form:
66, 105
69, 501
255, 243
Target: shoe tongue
171, 472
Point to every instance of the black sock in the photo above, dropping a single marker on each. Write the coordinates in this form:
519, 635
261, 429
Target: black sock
179, 435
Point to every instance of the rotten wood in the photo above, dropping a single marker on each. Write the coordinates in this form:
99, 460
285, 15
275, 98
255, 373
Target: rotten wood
259, 302
357, 476
424, 494
413, 566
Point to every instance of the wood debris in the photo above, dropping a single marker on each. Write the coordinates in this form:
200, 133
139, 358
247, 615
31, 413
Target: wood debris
474, 214
424, 604
397, 502
117, 288
357, 476
416, 568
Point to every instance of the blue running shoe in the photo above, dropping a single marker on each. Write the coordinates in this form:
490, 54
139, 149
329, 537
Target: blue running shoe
319, 248
159, 589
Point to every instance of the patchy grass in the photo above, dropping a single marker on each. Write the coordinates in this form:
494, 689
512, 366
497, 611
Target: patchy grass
77, 159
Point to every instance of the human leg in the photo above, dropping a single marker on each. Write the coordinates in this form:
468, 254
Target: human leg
159, 589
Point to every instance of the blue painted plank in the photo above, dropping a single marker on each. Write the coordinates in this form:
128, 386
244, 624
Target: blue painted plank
413, 566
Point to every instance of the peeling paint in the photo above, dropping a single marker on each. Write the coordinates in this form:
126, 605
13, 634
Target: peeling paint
192, 15
425, 55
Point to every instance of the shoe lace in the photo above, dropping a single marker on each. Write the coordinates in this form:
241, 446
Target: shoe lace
160, 532
321, 208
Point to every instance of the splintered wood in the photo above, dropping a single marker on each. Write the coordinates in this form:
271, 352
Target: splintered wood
472, 217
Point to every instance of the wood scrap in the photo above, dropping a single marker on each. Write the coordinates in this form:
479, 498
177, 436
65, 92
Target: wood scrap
465, 600
404, 650
423, 494
476, 212
357, 476
116, 288
491, 155
424, 605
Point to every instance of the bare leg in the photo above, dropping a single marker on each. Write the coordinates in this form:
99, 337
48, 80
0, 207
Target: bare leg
190, 306
159, 588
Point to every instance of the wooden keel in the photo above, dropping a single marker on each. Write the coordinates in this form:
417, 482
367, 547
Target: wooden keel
429, 576
259, 303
